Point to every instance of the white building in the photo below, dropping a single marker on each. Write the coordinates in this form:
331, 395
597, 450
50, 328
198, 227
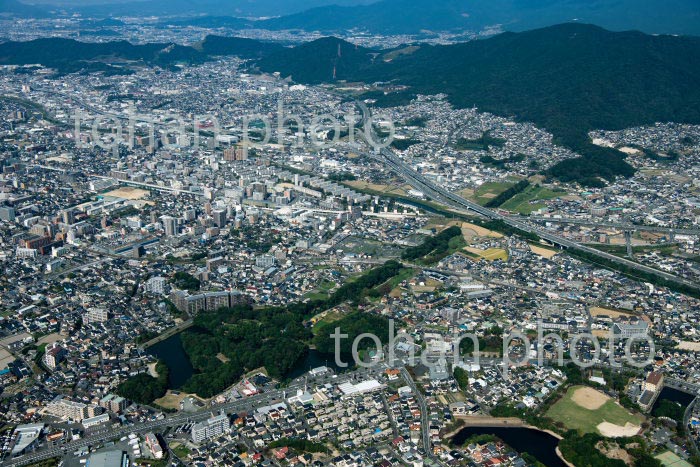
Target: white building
214, 426
154, 445
95, 315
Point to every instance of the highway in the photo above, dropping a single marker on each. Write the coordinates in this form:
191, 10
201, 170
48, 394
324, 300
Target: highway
623, 226
455, 201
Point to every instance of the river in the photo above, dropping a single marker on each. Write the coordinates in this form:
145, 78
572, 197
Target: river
537, 443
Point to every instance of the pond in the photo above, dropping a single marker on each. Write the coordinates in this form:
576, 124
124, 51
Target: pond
673, 395
312, 359
537, 443
171, 352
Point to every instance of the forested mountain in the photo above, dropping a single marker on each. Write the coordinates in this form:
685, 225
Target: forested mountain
417, 16
239, 46
68, 55
569, 79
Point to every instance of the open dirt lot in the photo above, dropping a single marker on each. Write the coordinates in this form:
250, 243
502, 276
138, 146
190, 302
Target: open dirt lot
598, 311
616, 431
471, 230
589, 398
128, 193
544, 252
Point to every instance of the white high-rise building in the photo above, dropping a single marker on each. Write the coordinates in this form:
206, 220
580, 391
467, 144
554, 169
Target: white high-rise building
210, 428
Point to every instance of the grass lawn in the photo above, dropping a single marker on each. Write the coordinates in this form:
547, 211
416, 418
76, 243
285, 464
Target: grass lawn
669, 459
492, 254
181, 451
404, 274
322, 292
575, 417
489, 190
530, 199
316, 296
621, 250
328, 317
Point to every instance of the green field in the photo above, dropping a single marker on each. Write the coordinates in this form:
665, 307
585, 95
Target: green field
669, 459
490, 190
530, 199
575, 417
330, 317
321, 293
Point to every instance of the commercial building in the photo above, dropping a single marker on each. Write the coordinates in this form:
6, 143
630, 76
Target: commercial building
96, 420
108, 459
25, 436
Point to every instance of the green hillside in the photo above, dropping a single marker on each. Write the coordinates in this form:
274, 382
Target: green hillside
569, 79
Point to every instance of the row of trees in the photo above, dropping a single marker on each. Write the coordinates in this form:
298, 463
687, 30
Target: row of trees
508, 194
435, 245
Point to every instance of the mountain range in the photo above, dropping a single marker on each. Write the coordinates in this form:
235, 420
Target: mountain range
413, 16
240, 8
385, 16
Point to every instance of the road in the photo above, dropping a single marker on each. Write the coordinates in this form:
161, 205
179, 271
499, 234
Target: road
614, 225
243, 405
455, 201
424, 419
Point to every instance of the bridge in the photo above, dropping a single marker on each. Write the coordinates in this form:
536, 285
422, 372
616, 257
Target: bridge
168, 334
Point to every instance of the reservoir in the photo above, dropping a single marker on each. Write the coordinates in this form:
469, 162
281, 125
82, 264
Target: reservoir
537, 443
674, 395
170, 351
